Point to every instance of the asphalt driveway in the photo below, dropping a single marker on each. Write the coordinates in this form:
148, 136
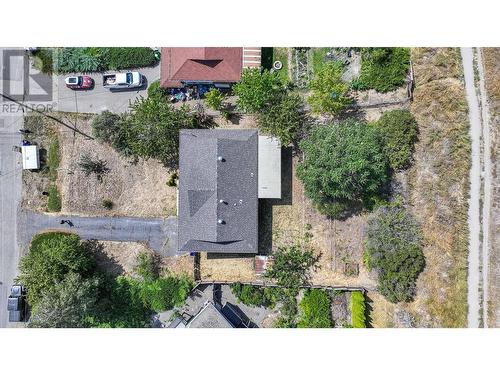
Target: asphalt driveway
159, 234
99, 99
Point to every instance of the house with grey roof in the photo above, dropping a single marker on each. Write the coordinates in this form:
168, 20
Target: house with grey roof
221, 177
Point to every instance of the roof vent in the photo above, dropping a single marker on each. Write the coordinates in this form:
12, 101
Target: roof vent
221, 201
220, 221
220, 158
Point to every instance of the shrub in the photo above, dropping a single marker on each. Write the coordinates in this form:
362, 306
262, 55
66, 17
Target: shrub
383, 69
398, 131
283, 117
172, 180
343, 167
93, 166
165, 293
291, 266
254, 295
105, 126
394, 249
54, 201
328, 91
315, 309
98, 59
358, 309
107, 204
154, 89
118, 58
256, 88
146, 267
75, 59
43, 60
214, 99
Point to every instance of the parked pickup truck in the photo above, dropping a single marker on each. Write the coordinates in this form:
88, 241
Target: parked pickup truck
16, 304
122, 80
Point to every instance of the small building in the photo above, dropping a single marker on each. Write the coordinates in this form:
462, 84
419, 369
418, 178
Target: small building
218, 66
31, 157
222, 175
212, 315
218, 198
269, 167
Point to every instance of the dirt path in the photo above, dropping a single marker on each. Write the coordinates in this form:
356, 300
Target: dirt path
473, 297
486, 208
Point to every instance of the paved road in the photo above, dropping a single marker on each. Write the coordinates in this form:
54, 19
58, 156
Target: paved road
159, 234
99, 98
10, 184
473, 277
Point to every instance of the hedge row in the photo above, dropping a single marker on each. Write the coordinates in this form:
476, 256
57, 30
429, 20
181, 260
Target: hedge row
358, 309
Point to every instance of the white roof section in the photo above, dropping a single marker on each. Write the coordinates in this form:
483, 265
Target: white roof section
269, 176
31, 158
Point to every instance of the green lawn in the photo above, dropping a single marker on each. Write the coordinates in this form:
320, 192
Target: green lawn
272, 54
318, 57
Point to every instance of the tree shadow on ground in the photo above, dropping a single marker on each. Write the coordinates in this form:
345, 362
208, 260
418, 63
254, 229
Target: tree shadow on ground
266, 205
368, 311
103, 260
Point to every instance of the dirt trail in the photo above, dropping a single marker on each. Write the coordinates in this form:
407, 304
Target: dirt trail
486, 208
473, 297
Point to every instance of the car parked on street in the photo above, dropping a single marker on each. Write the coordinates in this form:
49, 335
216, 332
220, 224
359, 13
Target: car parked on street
121, 81
79, 82
16, 304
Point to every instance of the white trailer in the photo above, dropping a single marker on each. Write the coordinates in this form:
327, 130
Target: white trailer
31, 157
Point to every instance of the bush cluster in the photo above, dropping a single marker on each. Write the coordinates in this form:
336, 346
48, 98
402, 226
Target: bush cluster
94, 59
394, 249
315, 309
66, 289
358, 309
382, 69
254, 295
329, 94
398, 132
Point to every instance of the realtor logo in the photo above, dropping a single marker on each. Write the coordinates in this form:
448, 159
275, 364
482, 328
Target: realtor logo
23, 83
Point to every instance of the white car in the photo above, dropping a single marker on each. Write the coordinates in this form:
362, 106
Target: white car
123, 80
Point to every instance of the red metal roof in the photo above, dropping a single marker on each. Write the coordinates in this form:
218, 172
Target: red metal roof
216, 64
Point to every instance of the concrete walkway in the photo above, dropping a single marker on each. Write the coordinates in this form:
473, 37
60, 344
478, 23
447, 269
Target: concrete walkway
159, 234
99, 99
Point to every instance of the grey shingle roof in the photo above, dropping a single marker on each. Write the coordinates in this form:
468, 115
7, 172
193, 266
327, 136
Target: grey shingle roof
211, 190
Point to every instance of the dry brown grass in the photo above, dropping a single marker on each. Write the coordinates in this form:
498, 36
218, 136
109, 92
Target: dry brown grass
135, 189
119, 258
439, 184
227, 268
182, 265
491, 60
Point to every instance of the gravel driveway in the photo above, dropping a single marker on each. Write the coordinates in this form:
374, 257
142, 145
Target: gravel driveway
159, 234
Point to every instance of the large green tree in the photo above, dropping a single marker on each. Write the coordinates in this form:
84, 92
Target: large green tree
283, 117
68, 304
291, 266
329, 94
256, 89
394, 248
343, 167
149, 130
398, 131
50, 258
